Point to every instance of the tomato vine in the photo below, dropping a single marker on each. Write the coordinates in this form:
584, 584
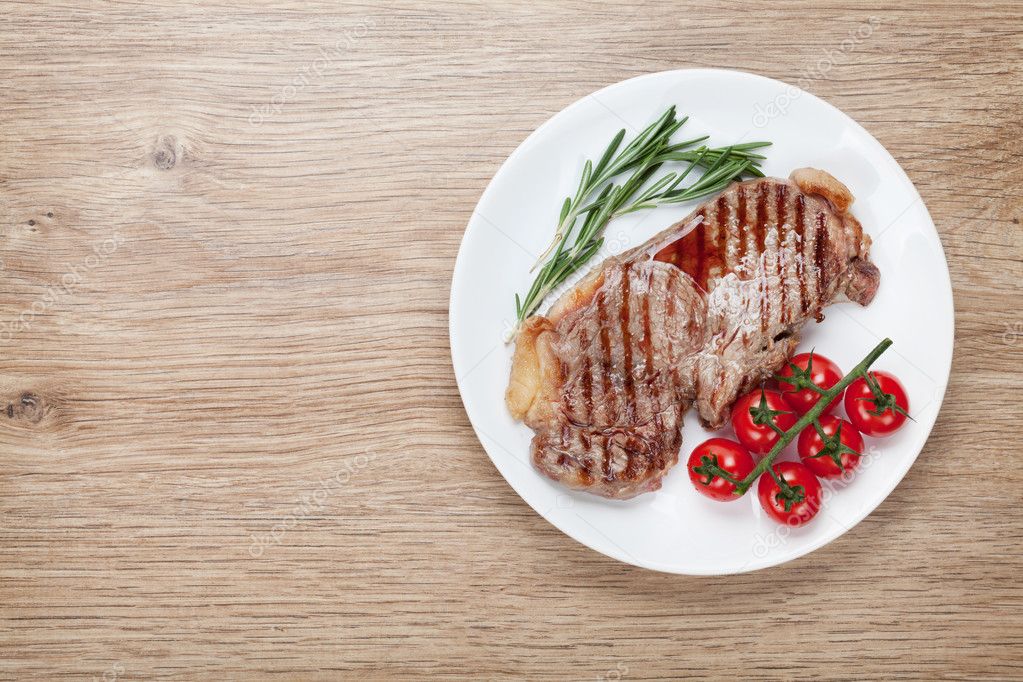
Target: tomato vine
794, 494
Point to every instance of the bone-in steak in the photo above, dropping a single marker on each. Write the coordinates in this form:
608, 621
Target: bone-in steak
698, 314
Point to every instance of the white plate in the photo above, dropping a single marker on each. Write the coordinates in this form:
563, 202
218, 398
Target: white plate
675, 529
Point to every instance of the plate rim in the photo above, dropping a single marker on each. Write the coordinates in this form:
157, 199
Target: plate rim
458, 272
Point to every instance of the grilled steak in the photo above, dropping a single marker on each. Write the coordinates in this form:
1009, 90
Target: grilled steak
698, 314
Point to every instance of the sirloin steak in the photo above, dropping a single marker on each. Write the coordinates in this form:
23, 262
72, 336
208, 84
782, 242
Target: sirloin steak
698, 314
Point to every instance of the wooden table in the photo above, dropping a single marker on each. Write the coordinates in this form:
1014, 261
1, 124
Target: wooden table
231, 444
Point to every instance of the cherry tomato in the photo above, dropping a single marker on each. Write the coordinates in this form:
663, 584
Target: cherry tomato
809, 367
801, 499
819, 453
877, 407
726, 455
752, 415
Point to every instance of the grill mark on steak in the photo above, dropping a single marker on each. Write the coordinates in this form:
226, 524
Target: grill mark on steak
713, 245
780, 195
605, 344
800, 267
696, 269
648, 342
586, 409
809, 254
819, 251
655, 462
716, 264
605, 374
596, 380
740, 216
623, 321
760, 226
760, 229
669, 313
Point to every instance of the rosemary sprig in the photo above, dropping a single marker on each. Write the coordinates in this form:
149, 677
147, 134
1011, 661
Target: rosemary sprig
597, 200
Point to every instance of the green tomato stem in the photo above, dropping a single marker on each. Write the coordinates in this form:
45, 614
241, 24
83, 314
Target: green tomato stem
810, 417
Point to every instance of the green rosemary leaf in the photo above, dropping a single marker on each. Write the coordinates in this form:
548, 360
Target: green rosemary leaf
564, 210
609, 152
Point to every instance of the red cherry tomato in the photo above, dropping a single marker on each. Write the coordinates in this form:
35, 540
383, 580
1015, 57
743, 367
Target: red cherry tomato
877, 407
752, 415
801, 499
809, 367
819, 454
726, 455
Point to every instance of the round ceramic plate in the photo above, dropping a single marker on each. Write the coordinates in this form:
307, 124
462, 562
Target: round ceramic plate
675, 529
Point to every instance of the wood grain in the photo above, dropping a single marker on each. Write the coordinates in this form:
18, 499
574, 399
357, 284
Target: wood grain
232, 444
